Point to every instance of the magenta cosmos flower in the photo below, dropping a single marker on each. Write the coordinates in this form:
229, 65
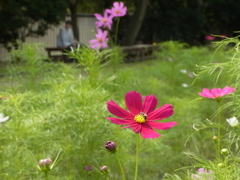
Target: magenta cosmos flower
210, 38
100, 41
104, 21
118, 9
216, 92
142, 116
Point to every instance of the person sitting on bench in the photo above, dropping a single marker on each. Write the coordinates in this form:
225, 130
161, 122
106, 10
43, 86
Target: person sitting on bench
65, 38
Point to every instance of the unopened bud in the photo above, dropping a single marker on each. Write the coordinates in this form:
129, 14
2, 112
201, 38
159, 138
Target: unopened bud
214, 138
224, 151
220, 165
111, 146
104, 169
44, 164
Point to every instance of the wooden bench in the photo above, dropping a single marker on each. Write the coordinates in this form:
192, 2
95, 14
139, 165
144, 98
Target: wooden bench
56, 53
139, 52
133, 53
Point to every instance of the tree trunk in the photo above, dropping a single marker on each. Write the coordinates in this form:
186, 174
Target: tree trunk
136, 22
73, 10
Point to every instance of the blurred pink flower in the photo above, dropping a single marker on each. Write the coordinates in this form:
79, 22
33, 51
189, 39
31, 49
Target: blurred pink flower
216, 92
100, 41
88, 168
104, 21
203, 174
210, 38
142, 116
118, 9
223, 36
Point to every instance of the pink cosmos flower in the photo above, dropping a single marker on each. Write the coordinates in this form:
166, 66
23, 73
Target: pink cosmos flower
203, 174
100, 41
118, 9
88, 168
142, 116
104, 21
223, 36
210, 38
216, 92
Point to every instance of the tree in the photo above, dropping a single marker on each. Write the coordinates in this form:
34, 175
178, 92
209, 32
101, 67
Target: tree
136, 22
20, 19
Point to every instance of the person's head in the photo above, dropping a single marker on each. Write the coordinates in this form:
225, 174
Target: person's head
68, 24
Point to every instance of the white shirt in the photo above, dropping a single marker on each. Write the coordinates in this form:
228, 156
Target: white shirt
65, 37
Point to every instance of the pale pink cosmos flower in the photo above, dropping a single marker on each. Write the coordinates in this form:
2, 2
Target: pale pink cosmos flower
203, 174
142, 116
104, 21
216, 92
100, 41
118, 9
210, 38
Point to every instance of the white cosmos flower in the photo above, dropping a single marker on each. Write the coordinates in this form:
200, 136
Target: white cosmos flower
233, 121
2, 118
184, 85
184, 71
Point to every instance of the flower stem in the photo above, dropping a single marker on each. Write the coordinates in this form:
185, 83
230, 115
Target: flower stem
120, 165
116, 31
137, 154
107, 177
218, 130
46, 175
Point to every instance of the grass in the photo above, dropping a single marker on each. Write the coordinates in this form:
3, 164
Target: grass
54, 106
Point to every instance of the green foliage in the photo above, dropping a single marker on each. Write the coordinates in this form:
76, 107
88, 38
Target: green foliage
28, 18
63, 110
189, 20
92, 60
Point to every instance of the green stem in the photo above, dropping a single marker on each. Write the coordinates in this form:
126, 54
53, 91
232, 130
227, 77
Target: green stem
137, 154
120, 165
218, 130
46, 175
107, 176
116, 31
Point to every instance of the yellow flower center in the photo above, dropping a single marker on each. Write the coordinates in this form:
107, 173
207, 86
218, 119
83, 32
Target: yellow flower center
100, 40
117, 11
104, 20
141, 117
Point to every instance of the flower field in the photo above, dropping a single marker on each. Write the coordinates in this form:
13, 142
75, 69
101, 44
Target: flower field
64, 121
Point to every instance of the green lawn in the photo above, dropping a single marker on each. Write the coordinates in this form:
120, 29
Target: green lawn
54, 106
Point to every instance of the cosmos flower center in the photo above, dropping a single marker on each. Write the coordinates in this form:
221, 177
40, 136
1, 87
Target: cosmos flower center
141, 118
117, 11
104, 20
100, 40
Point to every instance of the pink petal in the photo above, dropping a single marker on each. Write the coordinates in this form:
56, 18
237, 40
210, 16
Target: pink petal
160, 125
133, 102
148, 132
118, 111
150, 104
227, 90
93, 41
119, 121
206, 93
161, 113
121, 5
116, 4
136, 127
98, 16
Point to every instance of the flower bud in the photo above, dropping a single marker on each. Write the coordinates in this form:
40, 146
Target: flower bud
214, 138
44, 164
224, 151
104, 168
111, 146
220, 165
